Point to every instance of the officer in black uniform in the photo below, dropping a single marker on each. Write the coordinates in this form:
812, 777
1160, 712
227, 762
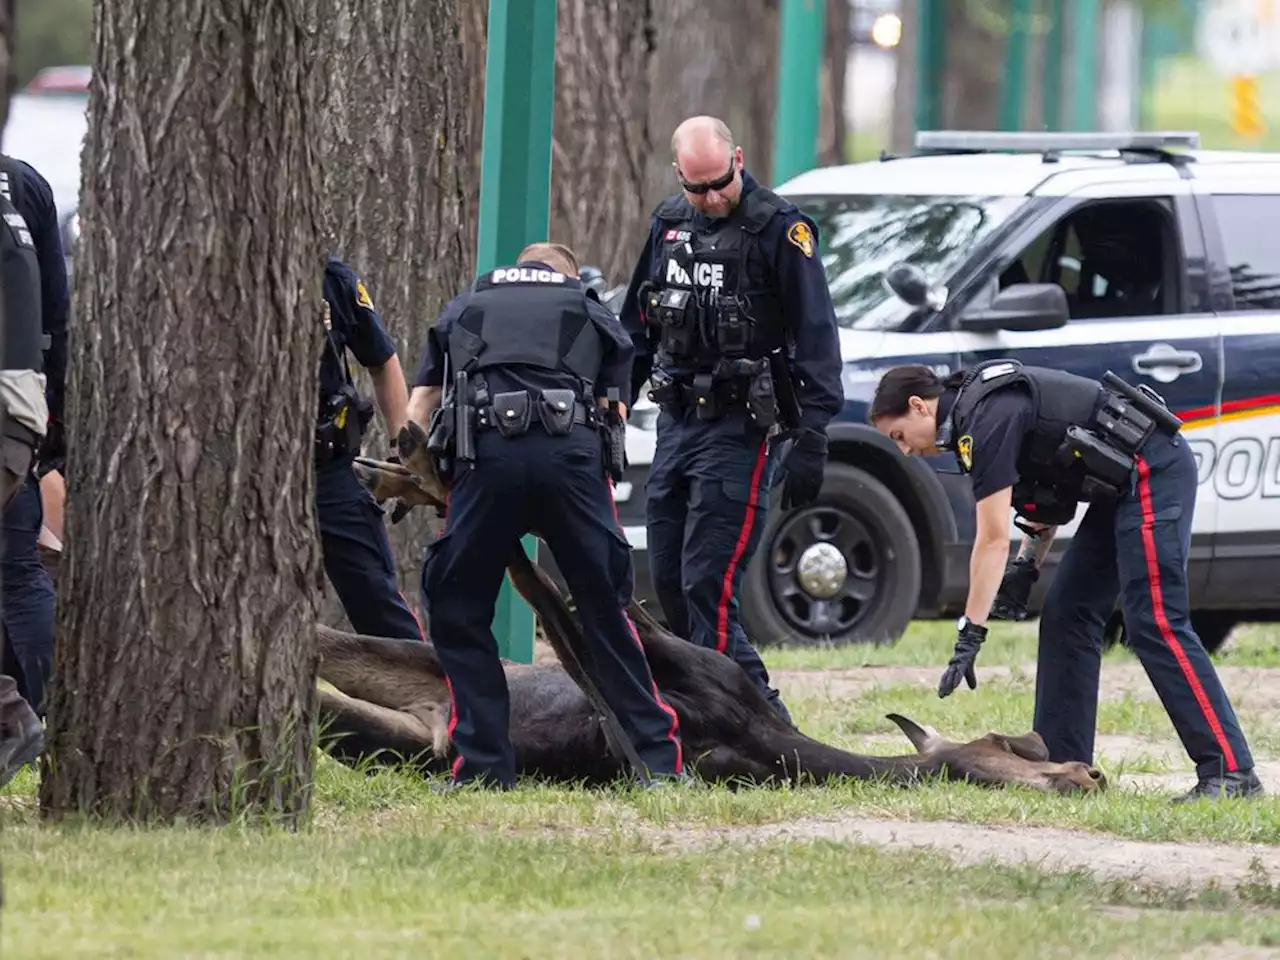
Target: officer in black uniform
28, 600
357, 553
734, 328
24, 417
526, 355
1041, 441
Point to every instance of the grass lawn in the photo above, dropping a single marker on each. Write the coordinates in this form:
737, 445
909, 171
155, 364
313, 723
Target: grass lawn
388, 869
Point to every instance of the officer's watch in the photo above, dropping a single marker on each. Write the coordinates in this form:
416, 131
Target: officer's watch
964, 624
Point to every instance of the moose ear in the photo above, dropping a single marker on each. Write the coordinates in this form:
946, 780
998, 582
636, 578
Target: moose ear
922, 738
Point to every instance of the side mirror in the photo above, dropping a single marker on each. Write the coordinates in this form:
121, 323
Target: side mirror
1021, 307
909, 283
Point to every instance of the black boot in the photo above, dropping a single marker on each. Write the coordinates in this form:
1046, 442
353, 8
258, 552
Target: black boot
21, 736
1242, 783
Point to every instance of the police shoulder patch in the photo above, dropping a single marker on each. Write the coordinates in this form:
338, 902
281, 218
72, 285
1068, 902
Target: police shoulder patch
362, 295
964, 449
802, 237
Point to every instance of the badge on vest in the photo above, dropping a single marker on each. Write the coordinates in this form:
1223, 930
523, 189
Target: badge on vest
676, 235
964, 450
802, 237
362, 296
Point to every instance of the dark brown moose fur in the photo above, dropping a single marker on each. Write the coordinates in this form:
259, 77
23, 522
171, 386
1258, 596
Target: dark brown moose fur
394, 705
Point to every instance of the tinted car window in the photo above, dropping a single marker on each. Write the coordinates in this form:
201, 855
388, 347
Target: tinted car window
1248, 225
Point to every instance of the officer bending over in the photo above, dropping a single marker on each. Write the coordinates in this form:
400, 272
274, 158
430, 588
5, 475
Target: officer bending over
353, 536
528, 359
28, 599
1040, 441
733, 325
24, 417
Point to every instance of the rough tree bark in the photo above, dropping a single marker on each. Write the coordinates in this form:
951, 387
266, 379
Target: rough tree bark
401, 158
185, 667
833, 129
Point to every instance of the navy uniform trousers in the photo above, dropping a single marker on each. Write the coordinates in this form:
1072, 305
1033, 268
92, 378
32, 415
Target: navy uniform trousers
28, 599
707, 502
1137, 549
557, 488
357, 555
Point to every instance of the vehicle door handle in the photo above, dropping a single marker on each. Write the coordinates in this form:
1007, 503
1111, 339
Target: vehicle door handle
1162, 355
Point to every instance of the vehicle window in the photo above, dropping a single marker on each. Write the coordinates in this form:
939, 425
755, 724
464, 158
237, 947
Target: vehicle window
1116, 258
861, 236
1248, 226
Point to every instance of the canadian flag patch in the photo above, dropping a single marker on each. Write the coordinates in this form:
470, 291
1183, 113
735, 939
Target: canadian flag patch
676, 235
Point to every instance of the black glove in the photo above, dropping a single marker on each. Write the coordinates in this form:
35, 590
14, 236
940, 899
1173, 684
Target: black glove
968, 642
1015, 590
802, 468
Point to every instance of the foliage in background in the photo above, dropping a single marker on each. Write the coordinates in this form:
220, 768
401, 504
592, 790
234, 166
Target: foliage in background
52, 33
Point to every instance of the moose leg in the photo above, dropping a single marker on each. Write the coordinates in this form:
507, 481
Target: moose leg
355, 731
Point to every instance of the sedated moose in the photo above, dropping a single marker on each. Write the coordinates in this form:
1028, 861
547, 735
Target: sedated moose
394, 704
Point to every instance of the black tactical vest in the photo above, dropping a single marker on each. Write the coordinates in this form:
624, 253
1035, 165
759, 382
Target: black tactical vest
734, 308
530, 316
1059, 400
24, 330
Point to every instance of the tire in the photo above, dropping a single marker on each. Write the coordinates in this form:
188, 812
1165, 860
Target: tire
1211, 626
876, 538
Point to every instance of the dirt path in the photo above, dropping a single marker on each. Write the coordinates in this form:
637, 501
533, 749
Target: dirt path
1167, 865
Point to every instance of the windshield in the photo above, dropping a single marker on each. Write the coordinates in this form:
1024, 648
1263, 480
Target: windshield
863, 235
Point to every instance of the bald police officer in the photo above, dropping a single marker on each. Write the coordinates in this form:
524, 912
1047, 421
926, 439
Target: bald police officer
729, 309
539, 355
357, 553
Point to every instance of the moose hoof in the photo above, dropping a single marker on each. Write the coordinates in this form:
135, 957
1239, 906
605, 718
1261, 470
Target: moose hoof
1077, 777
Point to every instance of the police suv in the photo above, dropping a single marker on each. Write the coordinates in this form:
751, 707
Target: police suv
1166, 253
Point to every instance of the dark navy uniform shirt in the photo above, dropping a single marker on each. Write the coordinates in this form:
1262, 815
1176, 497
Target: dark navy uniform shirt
997, 427
615, 366
806, 299
33, 198
355, 326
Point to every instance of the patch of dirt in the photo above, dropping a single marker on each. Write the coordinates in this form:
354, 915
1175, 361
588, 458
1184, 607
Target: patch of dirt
1230, 950
1170, 865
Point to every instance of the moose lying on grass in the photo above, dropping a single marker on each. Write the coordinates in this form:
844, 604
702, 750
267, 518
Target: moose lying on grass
394, 705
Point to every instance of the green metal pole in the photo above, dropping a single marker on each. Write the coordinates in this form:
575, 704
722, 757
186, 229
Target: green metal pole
1013, 93
795, 116
931, 57
1051, 95
515, 195
1084, 54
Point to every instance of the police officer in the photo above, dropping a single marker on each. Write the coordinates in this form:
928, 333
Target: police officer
1041, 441
733, 324
24, 416
357, 553
28, 601
540, 356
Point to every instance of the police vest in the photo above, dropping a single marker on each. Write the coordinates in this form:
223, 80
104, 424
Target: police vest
733, 309
24, 338
530, 316
1059, 400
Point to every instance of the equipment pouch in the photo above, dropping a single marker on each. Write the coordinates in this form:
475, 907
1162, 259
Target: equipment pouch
1101, 461
555, 410
512, 412
705, 399
676, 309
761, 401
733, 330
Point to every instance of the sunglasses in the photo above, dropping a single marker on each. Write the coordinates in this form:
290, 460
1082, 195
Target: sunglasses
718, 184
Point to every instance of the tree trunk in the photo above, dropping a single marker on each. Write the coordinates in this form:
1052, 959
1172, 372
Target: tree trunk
185, 667
977, 31
833, 130
402, 147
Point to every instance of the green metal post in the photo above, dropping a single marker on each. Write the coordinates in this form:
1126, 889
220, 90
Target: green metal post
515, 194
795, 117
931, 57
1051, 95
1013, 92
1084, 56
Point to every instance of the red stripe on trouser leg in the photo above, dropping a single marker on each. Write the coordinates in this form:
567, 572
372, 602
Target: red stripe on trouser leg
1162, 620
744, 536
453, 725
673, 730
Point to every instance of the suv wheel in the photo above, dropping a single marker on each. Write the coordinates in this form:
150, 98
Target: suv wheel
845, 569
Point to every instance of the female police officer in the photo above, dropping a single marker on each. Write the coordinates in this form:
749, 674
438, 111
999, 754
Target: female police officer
1041, 441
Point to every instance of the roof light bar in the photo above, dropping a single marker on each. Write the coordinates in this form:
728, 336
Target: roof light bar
1033, 142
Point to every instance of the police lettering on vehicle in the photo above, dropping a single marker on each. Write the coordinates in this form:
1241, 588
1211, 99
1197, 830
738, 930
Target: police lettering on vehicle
525, 275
